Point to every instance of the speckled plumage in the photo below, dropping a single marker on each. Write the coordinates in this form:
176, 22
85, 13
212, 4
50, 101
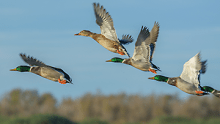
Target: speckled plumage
108, 38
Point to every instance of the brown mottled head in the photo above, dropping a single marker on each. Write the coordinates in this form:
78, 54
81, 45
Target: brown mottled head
84, 33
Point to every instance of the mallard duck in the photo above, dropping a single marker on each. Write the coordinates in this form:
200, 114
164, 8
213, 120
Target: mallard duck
189, 80
143, 52
46, 71
108, 37
211, 90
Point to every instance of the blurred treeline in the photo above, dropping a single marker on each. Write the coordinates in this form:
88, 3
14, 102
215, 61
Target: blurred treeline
120, 108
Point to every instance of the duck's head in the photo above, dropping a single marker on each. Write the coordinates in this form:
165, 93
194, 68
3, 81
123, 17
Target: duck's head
116, 59
208, 89
159, 78
84, 33
21, 69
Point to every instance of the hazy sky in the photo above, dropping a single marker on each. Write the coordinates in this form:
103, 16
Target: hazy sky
45, 30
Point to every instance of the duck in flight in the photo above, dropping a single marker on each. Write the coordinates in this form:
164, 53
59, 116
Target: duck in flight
46, 71
108, 38
144, 50
189, 80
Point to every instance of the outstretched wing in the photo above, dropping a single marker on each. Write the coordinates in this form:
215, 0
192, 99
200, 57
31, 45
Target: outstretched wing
192, 69
32, 61
126, 39
153, 38
145, 44
104, 20
142, 46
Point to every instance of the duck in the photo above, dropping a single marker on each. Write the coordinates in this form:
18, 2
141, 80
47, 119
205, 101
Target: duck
144, 50
108, 37
211, 90
43, 70
189, 80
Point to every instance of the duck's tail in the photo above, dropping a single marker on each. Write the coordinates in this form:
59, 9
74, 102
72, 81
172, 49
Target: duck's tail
155, 67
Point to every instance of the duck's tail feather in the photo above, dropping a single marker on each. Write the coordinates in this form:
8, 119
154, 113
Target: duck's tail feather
155, 67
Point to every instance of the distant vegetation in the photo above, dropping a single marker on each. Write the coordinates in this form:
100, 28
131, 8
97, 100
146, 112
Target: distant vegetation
28, 107
37, 119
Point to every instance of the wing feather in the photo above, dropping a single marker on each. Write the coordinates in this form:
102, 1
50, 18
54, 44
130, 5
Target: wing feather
142, 49
153, 36
104, 20
32, 61
192, 70
146, 43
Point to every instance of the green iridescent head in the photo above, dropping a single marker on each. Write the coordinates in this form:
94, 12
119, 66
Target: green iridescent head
22, 69
115, 59
208, 89
159, 78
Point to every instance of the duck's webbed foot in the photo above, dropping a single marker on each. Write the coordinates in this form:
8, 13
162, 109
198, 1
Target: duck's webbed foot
62, 82
121, 53
199, 93
153, 71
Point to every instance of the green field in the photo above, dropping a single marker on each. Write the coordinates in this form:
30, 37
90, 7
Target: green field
54, 119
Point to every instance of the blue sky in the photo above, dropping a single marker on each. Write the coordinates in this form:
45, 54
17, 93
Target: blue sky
45, 30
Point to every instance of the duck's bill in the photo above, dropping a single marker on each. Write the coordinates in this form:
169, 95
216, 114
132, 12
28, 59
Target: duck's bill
152, 78
77, 34
13, 69
109, 60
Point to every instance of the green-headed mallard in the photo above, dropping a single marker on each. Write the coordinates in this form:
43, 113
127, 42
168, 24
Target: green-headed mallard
46, 71
108, 37
189, 80
144, 50
211, 90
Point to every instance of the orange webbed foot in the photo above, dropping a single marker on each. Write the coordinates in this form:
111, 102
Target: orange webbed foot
153, 71
199, 92
121, 53
62, 82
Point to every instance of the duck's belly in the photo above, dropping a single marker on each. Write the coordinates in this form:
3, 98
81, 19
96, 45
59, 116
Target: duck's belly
46, 72
141, 65
186, 87
108, 44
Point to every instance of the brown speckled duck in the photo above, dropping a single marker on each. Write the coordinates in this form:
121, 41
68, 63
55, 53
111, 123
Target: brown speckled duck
108, 37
